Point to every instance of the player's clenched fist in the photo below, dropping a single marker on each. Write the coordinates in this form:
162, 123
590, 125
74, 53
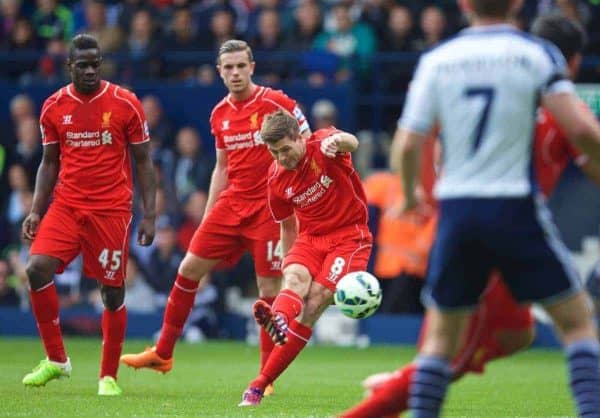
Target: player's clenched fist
330, 145
146, 231
30, 226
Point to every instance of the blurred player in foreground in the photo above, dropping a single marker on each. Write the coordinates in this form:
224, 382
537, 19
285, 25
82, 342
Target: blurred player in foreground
317, 197
236, 217
88, 129
499, 326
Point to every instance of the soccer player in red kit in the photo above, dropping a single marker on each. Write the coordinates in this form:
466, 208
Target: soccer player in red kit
499, 327
88, 129
317, 197
236, 217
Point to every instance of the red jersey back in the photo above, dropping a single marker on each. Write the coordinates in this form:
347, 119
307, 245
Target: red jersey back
94, 133
326, 194
236, 128
553, 151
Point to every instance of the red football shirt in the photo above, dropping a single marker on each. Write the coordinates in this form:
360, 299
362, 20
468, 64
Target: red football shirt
553, 152
326, 194
94, 133
236, 128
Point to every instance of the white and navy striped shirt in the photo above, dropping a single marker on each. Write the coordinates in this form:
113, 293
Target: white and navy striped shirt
483, 87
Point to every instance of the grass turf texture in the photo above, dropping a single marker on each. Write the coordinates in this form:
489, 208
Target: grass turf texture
208, 381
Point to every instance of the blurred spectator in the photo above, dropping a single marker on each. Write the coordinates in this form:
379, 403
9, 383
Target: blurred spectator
52, 20
28, 151
308, 23
128, 8
8, 294
21, 107
350, 41
142, 48
256, 12
24, 40
206, 75
221, 29
161, 269
375, 14
398, 35
324, 114
193, 168
10, 11
161, 130
181, 37
269, 38
20, 194
432, 27
110, 38
51, 68
193, 212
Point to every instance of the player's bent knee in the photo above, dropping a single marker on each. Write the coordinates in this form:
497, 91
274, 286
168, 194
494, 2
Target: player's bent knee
112, 297
39, 272
297, 277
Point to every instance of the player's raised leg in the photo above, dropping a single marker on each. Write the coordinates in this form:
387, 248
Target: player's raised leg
276, 321
44, 304
179, 305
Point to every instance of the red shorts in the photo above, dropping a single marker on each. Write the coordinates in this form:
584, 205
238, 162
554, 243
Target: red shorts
330, 257
233, 226
102, 239
497, 311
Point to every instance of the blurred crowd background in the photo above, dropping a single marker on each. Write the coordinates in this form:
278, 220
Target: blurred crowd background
368, 47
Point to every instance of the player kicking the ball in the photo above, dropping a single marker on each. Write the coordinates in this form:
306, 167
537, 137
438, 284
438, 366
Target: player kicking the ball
88, 129
317, 197
236, 218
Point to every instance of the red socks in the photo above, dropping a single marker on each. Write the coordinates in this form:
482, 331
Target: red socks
288, 303
114, 324
266, 342
389, 399
179, 305
44, 304
283, 355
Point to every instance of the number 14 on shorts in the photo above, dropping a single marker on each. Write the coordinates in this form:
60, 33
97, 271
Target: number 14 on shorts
110, 261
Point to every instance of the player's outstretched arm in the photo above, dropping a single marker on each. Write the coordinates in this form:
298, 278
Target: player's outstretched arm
147, 179
218, 180
581, 128
288, 234
337, 143
44, 184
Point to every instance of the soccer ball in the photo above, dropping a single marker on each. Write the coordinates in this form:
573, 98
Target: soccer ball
358, 294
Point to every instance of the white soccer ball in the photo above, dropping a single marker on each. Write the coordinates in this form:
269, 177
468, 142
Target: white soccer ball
358, 294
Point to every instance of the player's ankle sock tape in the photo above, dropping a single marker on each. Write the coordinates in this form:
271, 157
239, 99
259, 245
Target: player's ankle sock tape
288, 303
428, 387
584, 373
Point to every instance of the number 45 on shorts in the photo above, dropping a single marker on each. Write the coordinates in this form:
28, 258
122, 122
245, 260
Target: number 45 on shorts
110, 261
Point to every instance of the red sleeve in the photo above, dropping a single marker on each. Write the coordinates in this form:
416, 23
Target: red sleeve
214, 122
280, 99
344, 157
280, 208
137, 127
48, 131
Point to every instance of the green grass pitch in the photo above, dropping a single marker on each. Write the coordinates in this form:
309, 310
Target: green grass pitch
208, 379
